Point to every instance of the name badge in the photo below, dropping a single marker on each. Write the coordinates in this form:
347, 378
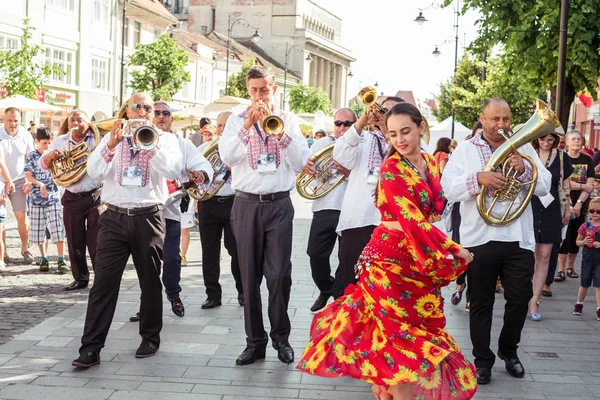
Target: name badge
132, 176
372, 177
266, 164
219, 178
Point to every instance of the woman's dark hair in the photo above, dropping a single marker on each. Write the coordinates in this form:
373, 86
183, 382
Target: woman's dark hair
477, 126
43, 134
443, 145
536, 144
204, 121
403, 109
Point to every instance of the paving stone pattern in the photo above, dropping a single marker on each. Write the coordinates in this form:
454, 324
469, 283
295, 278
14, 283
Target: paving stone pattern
196, 360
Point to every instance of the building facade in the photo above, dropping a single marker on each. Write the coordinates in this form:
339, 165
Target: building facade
301, 27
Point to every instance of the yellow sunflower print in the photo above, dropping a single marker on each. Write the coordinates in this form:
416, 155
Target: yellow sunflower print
316, 358
339, 324
428, 306
378, 277
433, 353
404, 375
410, 177
409, 354
379, 340
324, 322
466, 378
368, 369
408, 209
391, 303
432, 381
348, 358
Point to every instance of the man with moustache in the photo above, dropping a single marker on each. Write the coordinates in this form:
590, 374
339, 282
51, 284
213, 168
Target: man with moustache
80, 200
135, 188
16, 144
221, 122
326, 214
361, 152
499, 251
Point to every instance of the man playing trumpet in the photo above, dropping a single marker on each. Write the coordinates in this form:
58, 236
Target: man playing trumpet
80, 200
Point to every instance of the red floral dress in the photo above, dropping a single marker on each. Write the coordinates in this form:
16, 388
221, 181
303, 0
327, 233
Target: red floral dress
388, 329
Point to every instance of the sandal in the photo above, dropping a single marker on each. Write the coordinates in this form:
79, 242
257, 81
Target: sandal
547, 293
535, 316
571, 273
560, 276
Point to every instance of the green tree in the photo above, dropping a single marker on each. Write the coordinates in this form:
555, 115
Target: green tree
309, 100
162, 68
237, 82
21, 71
528, 32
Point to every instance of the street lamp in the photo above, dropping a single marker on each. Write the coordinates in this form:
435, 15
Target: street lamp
122, 54
255, 38
287, 53
420, 20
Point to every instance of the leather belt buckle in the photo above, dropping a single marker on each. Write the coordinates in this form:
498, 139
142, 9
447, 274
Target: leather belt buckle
129, 212
265, 196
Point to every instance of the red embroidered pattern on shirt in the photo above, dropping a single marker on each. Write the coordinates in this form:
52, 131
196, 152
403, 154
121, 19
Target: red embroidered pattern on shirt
255, 143
141, 160
375, 158
106, 154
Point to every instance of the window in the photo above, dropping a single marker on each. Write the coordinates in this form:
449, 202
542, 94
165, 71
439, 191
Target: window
67, 5
157, 33
9, 43
101, 11
137, 33
62, 59
202, 87
99, 73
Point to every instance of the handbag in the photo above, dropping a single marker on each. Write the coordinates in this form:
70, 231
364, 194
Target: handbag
447, 216
563, 193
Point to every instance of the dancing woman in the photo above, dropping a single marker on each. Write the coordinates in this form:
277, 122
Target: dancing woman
388, 329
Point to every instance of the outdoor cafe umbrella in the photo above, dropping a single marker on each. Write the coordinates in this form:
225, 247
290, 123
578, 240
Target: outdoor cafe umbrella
25, 104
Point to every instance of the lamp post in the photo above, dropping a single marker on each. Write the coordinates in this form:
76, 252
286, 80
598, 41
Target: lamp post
122, 55
255, 38
287, 53
420, 20
562, 55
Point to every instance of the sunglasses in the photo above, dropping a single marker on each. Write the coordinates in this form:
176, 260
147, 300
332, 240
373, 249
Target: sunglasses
594, 211
137, 107
347, 124
165, 113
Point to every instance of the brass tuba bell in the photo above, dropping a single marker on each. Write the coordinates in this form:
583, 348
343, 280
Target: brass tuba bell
324, 180
211, 153
543, 122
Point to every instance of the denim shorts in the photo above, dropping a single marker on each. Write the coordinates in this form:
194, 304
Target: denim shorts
590, 274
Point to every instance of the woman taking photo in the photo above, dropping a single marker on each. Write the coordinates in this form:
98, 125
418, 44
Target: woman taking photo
388, 329
582, 185
443, 148
550, 213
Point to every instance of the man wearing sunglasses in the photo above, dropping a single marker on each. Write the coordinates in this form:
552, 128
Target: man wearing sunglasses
326, 214
263, 170
362, 152
135, 188
80, 200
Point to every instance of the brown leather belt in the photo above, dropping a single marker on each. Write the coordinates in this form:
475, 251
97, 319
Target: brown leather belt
131, 212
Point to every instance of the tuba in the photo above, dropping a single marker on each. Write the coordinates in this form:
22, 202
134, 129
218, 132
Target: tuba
71, 167
211, 153
324, 180
541, 123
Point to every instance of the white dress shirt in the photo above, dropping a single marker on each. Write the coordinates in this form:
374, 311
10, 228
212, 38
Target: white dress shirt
15, 149
226, 189
361, 154
333, 200
459, 181
193, 160
163, 162
238, 149
65, 142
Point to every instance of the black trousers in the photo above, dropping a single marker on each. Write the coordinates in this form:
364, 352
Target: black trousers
214, 219
352, 243
514, 266
321, 241
263, 233
80, 216
142, 237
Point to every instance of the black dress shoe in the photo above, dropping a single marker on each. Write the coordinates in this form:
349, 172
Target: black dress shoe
241, 299
76, 285
146, 349
513, 365
210, 304
484, 376
250, 354
86, 359
135, 318
320, 302
285, 353
177, 307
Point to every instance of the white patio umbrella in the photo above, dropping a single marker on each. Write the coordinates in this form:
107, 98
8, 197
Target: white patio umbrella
25, 104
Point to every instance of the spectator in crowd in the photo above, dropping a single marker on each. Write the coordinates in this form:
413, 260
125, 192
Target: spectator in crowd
320, 134
442, 151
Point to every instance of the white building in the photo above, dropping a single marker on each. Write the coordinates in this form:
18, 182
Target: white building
77, 36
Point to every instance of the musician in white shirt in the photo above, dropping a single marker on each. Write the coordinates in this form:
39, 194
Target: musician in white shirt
499, 251
80, 200
326, 214
135, 188
263, 171
362, 152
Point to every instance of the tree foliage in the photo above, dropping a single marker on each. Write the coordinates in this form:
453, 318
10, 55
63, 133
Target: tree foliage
528, 32
23, 71
162, 68
309, 99
237, 82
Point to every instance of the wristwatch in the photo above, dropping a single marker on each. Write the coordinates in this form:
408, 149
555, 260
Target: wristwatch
579, 201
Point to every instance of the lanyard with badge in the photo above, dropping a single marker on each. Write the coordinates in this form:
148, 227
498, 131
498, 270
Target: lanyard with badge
373, 174
132, 174
266, 162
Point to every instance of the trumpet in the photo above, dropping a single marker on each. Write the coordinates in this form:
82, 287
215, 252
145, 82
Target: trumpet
368, 97
144, 135
272, 125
